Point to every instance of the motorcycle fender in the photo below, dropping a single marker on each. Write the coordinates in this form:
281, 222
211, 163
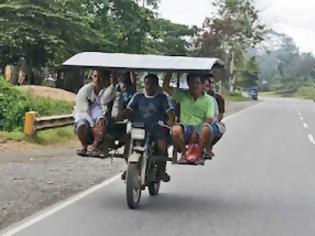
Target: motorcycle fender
134, 158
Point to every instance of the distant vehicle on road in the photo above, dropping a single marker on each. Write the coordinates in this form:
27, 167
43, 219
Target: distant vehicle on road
253, 93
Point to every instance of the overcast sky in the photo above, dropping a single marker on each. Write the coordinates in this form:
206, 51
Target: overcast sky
293, 17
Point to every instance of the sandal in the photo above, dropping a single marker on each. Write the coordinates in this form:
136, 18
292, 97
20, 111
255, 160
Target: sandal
182, 160
95, 153
82, 152
200, 162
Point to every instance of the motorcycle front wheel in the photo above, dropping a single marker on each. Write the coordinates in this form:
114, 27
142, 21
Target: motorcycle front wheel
133, 185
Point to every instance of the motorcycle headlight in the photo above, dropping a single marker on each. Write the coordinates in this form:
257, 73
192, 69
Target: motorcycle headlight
138, 134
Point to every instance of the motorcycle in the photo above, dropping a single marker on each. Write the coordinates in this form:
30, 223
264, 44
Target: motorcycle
143, 165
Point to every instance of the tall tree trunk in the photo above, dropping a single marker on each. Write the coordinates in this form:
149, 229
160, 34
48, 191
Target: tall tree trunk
231, 76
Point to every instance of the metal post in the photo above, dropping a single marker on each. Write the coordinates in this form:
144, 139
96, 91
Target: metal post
30, 118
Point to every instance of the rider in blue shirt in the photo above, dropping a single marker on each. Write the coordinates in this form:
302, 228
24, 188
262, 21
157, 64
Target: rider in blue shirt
149, 107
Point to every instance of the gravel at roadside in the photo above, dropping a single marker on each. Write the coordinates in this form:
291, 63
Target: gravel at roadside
31, 180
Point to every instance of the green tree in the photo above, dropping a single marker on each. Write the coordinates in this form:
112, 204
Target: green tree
44, 32
234, 27
123, 23
168, 38
47, 32
283, 66
247, 74
132, 28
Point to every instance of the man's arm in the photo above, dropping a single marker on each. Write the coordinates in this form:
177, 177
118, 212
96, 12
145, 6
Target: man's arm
131, 108
133, 81
176, 93
166, 83
117, 106
221, 104
208, 120
126, 114
82, 106
220, 117
114, 78
110, 92
169, 110
171, 118
210, 111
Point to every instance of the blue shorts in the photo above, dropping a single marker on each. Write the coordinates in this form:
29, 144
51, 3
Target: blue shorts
189, 129
216, 130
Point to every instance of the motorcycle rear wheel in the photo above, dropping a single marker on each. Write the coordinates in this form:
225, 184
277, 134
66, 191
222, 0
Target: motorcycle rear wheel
154, 188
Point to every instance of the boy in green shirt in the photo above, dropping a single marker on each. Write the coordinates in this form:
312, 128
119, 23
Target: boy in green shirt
197, 111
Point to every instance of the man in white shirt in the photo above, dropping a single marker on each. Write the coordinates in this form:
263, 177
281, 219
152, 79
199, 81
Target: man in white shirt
96, 103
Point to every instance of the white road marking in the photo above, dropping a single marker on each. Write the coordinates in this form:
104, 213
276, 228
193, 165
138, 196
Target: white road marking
63, 204
60, 206
312, 140
299, 113
301, 118
305, 125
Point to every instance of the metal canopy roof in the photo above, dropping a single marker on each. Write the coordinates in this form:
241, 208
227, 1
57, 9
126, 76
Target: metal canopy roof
142, 62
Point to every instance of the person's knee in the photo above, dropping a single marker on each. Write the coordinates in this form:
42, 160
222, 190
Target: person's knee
206, 131
82, 129
81, 125
101, 124
177, 131
162, 145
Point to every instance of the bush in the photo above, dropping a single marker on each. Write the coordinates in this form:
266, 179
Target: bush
236, 93
14, 103
306, 92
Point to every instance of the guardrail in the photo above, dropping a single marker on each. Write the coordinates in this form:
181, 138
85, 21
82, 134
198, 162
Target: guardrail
33, 123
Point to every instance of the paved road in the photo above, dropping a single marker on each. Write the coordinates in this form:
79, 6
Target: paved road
262, 182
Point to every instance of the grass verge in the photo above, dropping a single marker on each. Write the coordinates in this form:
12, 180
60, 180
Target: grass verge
236, 98
46, 137
284, 93
306, 92
14, 103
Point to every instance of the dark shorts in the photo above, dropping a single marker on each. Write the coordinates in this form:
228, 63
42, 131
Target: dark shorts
117, 131
159, 133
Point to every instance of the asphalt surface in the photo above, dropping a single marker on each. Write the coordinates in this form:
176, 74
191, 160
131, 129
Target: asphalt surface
261, 182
